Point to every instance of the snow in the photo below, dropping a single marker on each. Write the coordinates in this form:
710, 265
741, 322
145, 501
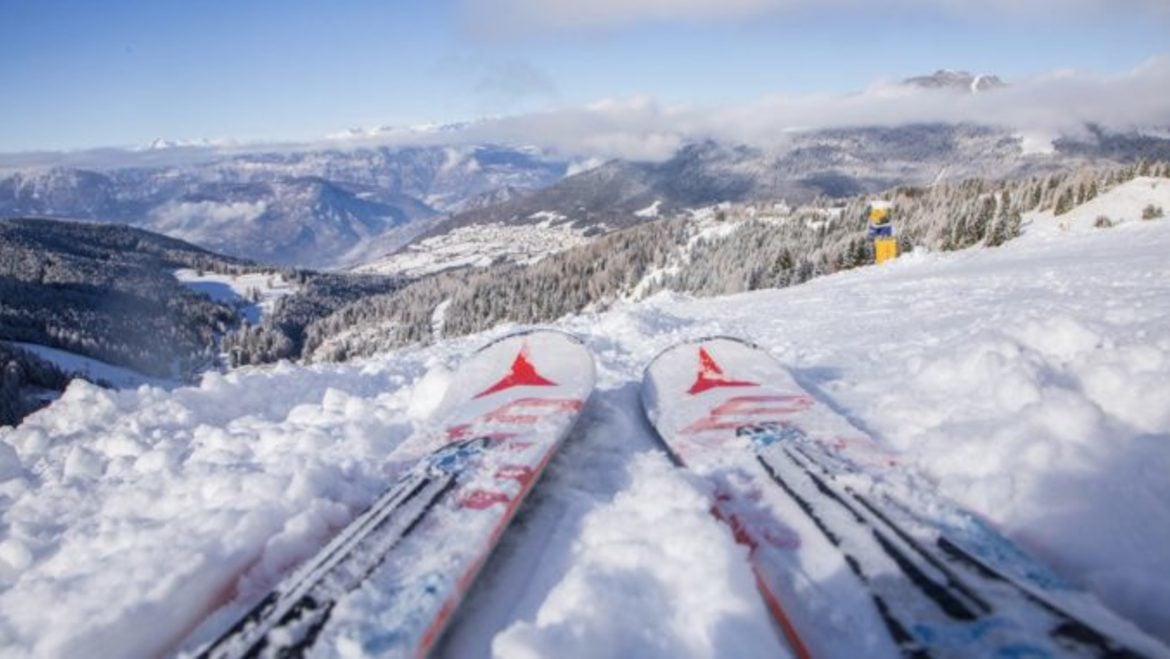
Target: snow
92, 369
1121, 204
439, 319
1031, 382
704, 227
628, 550
547, 219
481, 245
1037, 143
649, 211
584, 165
237, 290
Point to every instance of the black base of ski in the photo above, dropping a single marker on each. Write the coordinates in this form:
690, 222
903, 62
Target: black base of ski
939, 588
288, 621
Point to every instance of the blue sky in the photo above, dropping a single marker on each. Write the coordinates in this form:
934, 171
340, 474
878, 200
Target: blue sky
116, 72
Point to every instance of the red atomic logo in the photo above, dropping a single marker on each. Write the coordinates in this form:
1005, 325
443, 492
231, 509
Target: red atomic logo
523, 373
711, 376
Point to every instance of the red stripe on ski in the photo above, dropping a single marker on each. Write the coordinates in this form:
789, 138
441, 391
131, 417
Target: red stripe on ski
519, 473
711, 376
481, 499
439, 622
770, 599
778, 613
509, 413
737, 411
522, 374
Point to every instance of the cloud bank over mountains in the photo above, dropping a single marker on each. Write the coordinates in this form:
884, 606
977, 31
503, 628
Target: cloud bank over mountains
641, 128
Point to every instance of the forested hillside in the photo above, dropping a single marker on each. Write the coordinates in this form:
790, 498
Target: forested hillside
105, 292
281, 335
109, 292
24, 378
724, 249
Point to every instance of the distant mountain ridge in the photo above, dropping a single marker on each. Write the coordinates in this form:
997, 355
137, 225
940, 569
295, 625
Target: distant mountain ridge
303, 208
332, 208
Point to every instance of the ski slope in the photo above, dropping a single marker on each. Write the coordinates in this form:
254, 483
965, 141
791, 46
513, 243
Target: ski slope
1031, 382
255, 293
93, 369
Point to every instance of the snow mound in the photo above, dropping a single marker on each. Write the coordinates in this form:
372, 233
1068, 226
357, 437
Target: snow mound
650, 211
132, 515
658, 547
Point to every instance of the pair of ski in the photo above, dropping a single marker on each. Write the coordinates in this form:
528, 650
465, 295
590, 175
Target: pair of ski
854, 557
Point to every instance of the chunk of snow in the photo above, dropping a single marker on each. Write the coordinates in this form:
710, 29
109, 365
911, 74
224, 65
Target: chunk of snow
649, 211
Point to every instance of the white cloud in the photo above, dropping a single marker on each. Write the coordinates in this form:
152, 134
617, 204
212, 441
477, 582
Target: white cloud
642, 129
205, 221
1060, 101
635, 128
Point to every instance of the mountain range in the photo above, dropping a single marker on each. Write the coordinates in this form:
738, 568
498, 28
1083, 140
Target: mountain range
303, 208
365, 206
799, 168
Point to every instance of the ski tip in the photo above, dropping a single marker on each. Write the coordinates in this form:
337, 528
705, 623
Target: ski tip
532, 331
699, 342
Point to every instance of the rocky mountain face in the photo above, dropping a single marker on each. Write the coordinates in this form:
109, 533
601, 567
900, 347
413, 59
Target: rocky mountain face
956, 80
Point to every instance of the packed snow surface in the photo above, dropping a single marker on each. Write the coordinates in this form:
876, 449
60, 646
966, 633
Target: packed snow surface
1031, 382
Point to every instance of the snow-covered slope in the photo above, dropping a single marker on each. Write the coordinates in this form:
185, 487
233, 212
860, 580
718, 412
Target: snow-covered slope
254, 294
1123, 204
481, 245
92, 369
1030, 382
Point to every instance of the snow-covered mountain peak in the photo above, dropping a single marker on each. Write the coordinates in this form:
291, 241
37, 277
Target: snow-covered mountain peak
956, 80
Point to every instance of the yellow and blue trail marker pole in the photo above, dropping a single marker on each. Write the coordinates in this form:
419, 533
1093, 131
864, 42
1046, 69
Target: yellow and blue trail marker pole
879, 214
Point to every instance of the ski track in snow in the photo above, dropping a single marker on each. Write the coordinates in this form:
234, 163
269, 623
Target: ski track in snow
1031, 382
